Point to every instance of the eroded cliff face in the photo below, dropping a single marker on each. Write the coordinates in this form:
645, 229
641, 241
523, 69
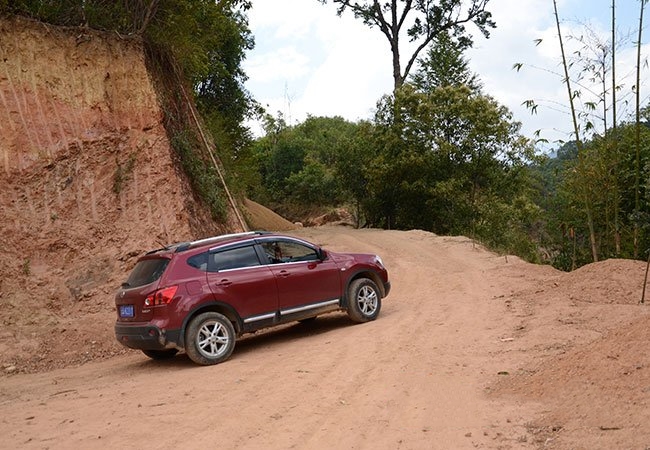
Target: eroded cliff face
60, 87
88, 182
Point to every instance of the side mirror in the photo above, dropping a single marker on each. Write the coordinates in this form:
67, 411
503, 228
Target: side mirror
322, 254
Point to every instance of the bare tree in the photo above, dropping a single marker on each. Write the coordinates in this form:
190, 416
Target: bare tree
421, 21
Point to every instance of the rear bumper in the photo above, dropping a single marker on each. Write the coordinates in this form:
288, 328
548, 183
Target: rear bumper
146, 337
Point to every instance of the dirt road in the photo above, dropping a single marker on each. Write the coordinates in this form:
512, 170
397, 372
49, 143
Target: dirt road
428, 373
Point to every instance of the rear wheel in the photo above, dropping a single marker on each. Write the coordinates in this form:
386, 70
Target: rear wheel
209, 339
160, 354
364, 300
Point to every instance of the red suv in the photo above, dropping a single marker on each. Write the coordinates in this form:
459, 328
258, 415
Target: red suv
200, 296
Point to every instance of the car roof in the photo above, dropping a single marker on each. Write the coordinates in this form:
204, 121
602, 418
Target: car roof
200, 243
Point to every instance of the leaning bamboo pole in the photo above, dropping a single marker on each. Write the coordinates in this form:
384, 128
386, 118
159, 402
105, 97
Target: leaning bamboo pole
576, 129
637, 135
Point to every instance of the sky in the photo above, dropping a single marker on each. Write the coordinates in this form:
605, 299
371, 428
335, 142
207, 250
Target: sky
309, 61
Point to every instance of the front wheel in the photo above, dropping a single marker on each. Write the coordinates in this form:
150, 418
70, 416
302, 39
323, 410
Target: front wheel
364, 300
210, 339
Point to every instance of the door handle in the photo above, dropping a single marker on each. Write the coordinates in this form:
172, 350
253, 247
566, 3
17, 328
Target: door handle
284, 273
225, 282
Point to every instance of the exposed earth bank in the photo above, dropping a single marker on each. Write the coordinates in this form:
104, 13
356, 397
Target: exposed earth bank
89, 181
471, 350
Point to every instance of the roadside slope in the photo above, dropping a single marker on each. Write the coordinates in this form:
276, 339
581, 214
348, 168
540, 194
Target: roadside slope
89, 182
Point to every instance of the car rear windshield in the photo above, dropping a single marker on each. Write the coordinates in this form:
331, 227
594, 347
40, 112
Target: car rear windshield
147, 271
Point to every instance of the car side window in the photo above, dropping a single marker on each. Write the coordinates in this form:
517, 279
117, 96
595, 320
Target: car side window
233, 259
273, 251
285, 252
199, 261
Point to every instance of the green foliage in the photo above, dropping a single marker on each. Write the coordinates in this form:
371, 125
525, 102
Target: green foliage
439, 156
313, 184
202, 175
307, 166
353, 164
445, 160
561, 182
445, 154
510, 227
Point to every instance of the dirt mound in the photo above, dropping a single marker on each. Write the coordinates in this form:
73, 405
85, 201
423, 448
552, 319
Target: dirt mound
609, 281
596, 395
583, 343
338, 216
262, 218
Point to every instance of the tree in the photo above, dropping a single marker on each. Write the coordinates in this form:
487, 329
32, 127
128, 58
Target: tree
308, 166
566, 176
444, 65
352, 168
421, 21
449, 155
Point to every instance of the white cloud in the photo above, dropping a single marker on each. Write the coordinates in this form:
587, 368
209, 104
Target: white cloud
353, 74
285, 63
310, 61
348, 64
288, 18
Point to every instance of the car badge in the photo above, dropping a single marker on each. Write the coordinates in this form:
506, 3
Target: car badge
122, 294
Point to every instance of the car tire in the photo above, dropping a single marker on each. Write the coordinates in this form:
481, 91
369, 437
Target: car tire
160, 355
210, 338
364, 300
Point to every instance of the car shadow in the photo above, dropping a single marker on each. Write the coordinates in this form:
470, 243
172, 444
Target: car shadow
288, 332
250, 343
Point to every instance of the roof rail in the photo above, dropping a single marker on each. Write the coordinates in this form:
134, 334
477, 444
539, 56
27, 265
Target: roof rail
187, 245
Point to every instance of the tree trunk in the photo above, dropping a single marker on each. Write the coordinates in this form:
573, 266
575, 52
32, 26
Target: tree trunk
398, 80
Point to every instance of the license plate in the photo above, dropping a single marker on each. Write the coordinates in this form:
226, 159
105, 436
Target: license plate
126, 311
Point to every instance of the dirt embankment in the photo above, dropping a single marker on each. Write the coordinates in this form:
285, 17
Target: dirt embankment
88, 183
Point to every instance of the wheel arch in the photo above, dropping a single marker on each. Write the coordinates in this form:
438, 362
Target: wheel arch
370, 274
214, 306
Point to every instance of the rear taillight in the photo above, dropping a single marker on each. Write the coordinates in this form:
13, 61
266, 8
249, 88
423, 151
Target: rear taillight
161, 296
